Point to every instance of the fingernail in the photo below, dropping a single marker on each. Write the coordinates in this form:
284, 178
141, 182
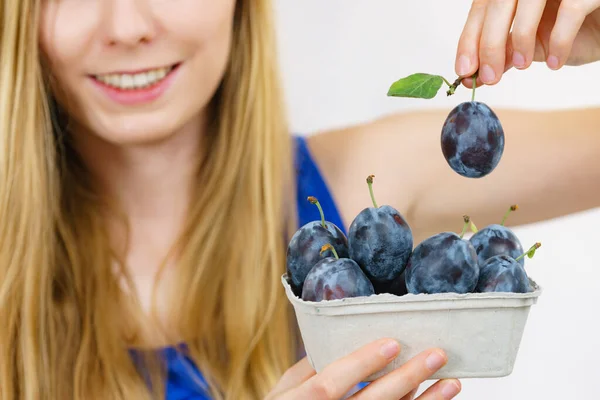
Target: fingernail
552, 62
435, 361
486, 73
449, 390
518, 60
464, 65
390, 349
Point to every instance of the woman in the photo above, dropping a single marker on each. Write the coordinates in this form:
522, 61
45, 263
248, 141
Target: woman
148, 175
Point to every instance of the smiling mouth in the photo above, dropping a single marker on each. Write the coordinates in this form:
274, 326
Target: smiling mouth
142, 80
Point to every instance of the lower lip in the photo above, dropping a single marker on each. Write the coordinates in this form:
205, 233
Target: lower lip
138, 96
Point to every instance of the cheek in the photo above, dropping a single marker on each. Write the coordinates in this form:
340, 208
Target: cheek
66, 36
204, 25
206, 32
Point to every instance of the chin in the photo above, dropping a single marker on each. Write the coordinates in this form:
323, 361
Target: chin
132, 130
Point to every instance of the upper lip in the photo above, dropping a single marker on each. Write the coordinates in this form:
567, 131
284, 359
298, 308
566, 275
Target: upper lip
136, 71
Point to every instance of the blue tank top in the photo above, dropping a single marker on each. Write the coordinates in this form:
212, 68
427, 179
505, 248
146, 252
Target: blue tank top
184, 380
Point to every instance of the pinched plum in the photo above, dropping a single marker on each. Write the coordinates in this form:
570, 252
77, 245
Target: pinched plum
380, 241
304, 248
335, 278
502, 274
496, 239
443, 263
472, 139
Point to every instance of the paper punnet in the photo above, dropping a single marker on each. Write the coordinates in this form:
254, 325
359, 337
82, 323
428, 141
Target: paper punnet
480, 332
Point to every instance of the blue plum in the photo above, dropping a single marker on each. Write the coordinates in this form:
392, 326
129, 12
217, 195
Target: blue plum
396, 287
380, 241
335, 278
443, 263
502, 273
472, 139
304, 248
496, 240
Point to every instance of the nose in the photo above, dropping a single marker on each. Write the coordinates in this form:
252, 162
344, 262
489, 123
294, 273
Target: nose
129, 22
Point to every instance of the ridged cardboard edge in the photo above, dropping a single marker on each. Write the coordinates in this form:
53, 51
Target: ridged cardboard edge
413, 302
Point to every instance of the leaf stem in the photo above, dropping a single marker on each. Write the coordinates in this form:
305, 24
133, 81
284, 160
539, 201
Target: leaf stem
454, 86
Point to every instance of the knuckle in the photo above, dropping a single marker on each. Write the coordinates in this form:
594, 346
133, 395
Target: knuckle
325, 388
489, 50
523, 37
468, 41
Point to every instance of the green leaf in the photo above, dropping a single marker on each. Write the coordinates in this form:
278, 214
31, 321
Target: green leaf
419, 85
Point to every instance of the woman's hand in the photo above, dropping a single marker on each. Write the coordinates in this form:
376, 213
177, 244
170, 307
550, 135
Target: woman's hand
557, 32
339, 378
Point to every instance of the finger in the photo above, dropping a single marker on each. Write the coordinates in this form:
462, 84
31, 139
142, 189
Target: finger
338, 378
403, 380
524, 31
467, 52
445, 389
569, 19
508, 57
492, 46
468, 82
411, 395
296, 375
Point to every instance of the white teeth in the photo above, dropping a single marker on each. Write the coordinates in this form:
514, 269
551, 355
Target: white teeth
127, 81
113, 80
140, 80
134, 81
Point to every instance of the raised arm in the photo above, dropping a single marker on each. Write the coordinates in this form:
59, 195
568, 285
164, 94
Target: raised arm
551, 161
550, 168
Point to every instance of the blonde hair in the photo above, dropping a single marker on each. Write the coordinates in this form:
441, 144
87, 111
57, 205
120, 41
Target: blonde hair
60, 302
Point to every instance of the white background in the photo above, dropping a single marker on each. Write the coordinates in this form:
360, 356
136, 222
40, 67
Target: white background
339, 58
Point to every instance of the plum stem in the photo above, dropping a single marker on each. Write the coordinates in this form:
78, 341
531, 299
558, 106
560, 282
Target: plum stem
314, 201
529, 253
474, 86
514, 207
467, 220
370, 183
328, 246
